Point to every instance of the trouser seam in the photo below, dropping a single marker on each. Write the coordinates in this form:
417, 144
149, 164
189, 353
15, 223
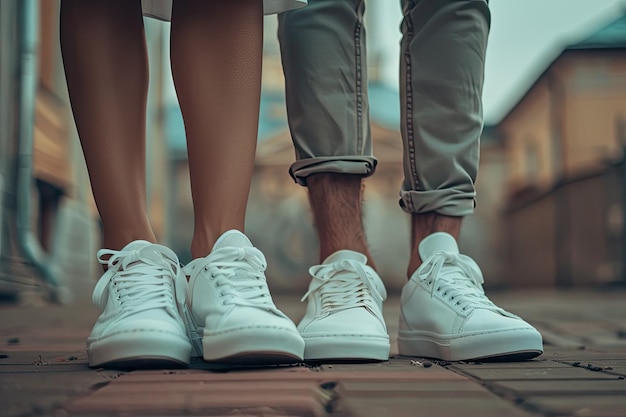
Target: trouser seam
358, 79
409, 119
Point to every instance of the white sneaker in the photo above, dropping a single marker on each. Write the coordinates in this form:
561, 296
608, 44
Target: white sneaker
445, 313
232, 309
141, 296
344, 315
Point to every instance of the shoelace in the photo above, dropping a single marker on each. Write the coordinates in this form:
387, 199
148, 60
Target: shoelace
343, 285
141, 280
239, 275
458, 279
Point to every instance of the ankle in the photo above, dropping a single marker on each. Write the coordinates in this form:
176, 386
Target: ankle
336, 201
425, 224
204, 239
122, 237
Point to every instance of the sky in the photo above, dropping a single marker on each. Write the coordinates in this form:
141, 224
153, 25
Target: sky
525, 36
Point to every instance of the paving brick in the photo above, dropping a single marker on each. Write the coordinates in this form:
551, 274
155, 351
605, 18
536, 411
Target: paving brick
191, 375
395, 368
552, 373
24, 394
429, 406
31, 357
599, 333
580, 406
392, 389
330, 373
553, 338
611, 366
393, 376
298, 398
567, 387
580, 355
532, 364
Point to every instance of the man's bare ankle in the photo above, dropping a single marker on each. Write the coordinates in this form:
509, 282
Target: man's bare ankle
425, 224
336, 201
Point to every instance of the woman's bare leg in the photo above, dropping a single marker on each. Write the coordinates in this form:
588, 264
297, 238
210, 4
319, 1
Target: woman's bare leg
216, 51
105, 58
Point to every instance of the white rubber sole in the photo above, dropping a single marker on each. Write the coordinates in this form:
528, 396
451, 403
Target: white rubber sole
253, 346
346, 347
511, 344
139, 349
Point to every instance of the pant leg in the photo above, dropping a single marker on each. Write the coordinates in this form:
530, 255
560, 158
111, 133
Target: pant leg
324, 61
442, 72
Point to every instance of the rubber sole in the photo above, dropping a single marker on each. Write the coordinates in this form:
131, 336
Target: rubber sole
253, 346
512, 344
140, 350
346, 347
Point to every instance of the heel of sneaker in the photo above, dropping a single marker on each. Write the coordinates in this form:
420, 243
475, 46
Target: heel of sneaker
192, 332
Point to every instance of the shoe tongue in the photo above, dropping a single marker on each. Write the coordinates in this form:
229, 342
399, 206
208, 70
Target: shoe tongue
437, 242
345, 254
232, 238
148, 251
136, 245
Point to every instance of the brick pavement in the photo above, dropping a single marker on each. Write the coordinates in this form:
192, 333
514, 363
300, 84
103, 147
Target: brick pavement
43, 371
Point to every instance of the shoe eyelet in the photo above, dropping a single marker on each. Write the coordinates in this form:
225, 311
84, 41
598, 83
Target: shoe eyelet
430, 282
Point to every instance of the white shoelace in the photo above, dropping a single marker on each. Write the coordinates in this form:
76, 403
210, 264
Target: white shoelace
140, 279
458, 279
343, 285
239, 274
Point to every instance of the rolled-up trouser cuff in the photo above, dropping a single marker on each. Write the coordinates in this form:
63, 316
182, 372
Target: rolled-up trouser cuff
354, 165
448, 202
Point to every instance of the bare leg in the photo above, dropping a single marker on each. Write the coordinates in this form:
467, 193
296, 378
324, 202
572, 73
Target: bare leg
425, 224
216, 54
105, 58
336, 201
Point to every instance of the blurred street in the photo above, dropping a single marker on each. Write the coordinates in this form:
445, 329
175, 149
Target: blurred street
44, 372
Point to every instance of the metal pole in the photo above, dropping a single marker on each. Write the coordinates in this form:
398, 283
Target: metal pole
621, 137
5, 63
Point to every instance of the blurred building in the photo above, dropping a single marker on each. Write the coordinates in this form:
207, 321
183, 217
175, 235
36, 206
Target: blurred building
565, 141
37, 166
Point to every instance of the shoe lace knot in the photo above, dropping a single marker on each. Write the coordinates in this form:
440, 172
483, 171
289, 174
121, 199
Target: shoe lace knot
457, 279
239, 275
140, 280
343, 285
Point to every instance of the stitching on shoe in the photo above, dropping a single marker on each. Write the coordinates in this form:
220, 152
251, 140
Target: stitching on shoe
325, 336
474, 334
248, 328
142, 330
